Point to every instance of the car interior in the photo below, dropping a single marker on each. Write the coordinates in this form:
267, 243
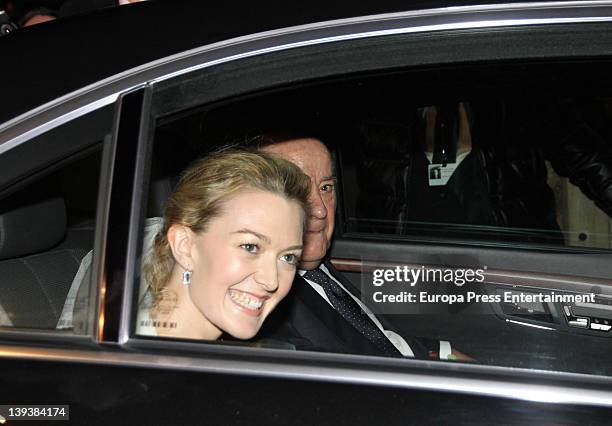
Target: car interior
375, 126
374, 123
47, 228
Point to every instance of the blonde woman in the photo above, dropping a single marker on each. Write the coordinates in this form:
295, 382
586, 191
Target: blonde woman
227, 249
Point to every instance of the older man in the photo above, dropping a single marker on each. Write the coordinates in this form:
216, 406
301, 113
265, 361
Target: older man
324, 312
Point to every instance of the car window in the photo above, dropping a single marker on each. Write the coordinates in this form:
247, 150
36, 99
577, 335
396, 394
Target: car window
516, 170
492, 155
452, 172
48, 211
524, 166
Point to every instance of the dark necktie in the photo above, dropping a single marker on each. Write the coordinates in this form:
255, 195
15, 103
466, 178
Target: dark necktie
352, 312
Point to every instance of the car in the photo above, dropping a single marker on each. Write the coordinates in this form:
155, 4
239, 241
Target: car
470, 142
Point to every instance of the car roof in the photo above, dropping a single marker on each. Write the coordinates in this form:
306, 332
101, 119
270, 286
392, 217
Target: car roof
44, 62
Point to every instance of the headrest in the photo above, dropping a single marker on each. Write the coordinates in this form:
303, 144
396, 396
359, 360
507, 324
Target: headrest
31, 224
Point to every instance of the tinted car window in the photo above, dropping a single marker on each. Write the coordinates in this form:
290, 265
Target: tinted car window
489, 169
517, 167
48, 230
48, 210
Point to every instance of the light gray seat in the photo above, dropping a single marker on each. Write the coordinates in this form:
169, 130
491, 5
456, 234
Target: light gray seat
39, 257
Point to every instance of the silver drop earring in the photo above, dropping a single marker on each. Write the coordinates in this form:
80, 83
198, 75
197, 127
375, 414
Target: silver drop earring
187, 277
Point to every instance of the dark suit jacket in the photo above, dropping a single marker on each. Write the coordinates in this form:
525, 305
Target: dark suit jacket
308, 322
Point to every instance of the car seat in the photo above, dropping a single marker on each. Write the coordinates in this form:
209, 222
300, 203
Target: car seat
39, 256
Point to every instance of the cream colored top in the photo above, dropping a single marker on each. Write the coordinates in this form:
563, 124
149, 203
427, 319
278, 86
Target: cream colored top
144, 325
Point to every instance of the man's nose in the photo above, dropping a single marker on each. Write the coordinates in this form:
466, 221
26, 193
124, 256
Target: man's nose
317, 206
267, 275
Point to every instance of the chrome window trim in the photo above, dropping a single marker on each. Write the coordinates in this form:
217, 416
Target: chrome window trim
501, 382
46, 112
57, 112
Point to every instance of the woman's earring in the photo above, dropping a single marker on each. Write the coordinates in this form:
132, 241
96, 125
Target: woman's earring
187, 277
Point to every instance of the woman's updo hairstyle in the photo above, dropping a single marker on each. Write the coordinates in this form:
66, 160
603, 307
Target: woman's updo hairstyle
207, 184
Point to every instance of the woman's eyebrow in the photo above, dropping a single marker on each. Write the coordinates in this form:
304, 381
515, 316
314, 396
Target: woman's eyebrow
257, 234
295, 247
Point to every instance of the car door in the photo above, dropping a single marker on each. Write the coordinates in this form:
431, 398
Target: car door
315, 76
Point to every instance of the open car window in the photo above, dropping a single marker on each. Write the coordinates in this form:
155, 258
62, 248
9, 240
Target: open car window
478, 178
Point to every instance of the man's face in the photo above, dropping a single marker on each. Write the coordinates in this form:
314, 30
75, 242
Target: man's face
314, 159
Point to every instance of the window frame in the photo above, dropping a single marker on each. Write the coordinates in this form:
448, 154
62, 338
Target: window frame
72, 140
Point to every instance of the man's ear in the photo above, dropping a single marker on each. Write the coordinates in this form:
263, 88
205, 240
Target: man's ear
181, 240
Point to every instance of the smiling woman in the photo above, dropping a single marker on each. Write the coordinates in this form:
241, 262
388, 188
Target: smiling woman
228, 248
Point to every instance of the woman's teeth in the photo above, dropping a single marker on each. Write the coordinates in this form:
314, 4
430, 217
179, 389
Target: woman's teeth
243, 299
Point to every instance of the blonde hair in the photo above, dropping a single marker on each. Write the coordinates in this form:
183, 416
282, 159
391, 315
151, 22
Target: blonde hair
206, 185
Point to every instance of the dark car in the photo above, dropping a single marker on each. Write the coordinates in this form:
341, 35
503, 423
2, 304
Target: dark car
472, 146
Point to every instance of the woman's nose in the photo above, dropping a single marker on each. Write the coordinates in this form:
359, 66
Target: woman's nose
267, 275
